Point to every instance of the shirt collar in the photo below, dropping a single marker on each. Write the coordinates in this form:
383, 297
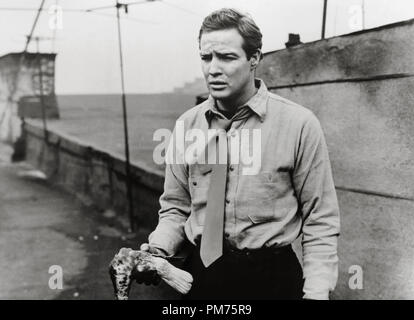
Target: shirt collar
257, 103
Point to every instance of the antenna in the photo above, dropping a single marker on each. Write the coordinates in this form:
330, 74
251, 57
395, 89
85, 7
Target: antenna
13, 88
41, 95
34, 25
124, 113
117, 6
124, 6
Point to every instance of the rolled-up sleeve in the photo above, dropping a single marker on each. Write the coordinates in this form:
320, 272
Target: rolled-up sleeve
318, 202
175, 203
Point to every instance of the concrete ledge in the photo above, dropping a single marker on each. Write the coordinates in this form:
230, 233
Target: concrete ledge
95, 174
344, 58
369, 130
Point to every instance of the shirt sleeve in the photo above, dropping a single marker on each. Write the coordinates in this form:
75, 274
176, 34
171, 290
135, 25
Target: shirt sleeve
175, 202
318, 202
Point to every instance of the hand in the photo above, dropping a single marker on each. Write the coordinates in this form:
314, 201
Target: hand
149, 277
147, 248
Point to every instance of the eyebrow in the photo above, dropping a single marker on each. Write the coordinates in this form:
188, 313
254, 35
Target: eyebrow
225, 53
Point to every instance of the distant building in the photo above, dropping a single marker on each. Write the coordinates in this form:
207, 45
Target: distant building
195, 87
20, 78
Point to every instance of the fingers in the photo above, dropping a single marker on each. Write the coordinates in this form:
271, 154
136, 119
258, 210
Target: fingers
153, 279
148, 278
147, 248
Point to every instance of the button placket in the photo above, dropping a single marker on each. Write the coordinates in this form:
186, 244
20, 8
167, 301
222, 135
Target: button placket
232, 155
232, 178
229, 201
236, 179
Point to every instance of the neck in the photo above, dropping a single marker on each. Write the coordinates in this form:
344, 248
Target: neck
230, 105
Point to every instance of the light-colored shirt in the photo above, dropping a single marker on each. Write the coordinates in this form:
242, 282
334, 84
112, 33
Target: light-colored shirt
289, 193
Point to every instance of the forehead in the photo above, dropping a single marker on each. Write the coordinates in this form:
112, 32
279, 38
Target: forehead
221, 40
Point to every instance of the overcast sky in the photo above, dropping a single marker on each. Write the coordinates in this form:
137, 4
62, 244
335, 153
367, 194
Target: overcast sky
161, 50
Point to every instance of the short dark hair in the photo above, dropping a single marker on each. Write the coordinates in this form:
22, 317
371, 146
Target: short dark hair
227, 18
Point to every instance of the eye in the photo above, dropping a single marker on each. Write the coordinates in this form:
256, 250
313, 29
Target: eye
226, 57
205, 57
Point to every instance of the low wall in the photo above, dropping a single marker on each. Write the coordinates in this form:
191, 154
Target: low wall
91, 173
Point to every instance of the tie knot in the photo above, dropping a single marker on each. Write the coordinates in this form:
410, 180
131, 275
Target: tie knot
225, 124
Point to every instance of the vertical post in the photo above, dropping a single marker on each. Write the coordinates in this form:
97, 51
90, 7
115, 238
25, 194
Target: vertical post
41, 97
325, 5
125, 119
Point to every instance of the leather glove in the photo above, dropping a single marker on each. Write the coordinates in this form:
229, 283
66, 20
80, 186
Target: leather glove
148, 277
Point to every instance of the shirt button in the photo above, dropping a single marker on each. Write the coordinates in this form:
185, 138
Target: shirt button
227, 235
227, 201
194, 183
231, 168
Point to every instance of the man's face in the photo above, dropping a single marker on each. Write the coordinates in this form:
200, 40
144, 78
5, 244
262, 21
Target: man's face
224, 63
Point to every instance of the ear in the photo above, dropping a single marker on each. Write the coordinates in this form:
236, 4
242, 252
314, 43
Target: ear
255, 58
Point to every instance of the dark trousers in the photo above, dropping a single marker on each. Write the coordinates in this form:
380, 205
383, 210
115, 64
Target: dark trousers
265, 275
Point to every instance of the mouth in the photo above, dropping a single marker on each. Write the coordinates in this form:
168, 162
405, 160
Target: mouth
217, 85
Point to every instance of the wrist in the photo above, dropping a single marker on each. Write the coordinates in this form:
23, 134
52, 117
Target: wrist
158, 251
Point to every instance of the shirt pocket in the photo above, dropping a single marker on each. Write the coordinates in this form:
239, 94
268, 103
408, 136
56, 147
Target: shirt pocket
265, 197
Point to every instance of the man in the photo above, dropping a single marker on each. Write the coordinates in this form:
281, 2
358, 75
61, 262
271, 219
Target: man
240, 224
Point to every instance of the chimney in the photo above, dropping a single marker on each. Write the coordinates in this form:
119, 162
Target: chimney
294, 40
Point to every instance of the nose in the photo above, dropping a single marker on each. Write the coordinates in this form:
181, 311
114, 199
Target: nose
215, 68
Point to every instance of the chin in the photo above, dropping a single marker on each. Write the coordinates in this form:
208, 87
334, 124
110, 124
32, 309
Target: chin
220, 95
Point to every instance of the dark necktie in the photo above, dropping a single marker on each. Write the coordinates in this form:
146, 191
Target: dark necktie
212, 238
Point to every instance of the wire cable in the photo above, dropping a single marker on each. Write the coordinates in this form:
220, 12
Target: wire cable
34, 25
122, 17
73, 10
120, 4
181, 8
